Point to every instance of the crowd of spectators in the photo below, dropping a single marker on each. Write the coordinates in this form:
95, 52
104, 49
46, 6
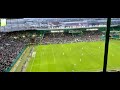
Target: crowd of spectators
68, 37
11, 44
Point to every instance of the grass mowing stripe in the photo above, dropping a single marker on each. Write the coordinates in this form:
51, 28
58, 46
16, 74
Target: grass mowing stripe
113, 56
91, 60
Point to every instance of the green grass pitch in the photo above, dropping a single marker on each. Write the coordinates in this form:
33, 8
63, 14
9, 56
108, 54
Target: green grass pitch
74, 57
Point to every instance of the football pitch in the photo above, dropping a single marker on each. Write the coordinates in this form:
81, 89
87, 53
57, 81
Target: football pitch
74, 57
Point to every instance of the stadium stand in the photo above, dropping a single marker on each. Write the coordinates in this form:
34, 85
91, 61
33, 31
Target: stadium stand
68, 38
11, 45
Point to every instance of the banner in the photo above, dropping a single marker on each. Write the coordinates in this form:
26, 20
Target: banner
75, 31
3, 22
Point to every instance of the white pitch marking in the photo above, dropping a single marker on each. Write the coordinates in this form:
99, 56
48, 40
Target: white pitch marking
32, 64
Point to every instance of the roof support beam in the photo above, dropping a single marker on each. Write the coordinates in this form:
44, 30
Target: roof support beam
106, 45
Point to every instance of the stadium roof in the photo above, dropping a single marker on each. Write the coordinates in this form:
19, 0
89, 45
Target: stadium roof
44, 23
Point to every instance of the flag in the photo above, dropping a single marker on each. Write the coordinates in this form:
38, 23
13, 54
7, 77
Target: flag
3, 22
